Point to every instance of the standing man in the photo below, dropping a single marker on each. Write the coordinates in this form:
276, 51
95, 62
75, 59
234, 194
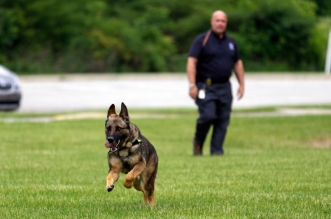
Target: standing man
212, 57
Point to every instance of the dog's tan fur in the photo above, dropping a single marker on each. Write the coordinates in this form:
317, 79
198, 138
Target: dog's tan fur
130, 153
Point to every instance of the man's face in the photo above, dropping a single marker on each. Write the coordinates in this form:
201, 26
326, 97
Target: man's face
218, 22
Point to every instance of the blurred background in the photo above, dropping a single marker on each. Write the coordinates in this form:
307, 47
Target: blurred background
61, 36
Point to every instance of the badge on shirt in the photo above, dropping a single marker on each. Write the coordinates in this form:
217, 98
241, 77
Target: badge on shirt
231, 46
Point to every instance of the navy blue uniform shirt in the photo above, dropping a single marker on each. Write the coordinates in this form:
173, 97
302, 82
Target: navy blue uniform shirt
216, 58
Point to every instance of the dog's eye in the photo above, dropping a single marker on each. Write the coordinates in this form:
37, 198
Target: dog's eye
108, 128
118, 128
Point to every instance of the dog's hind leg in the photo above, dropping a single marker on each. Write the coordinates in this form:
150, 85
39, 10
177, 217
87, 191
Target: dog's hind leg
149, 186
138, 183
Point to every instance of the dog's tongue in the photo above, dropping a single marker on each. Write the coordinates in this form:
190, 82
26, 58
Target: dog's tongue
111, 146
107, 144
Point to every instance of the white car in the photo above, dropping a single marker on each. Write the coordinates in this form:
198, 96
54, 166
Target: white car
10, 91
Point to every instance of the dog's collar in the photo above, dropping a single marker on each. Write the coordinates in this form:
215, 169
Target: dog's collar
136, 141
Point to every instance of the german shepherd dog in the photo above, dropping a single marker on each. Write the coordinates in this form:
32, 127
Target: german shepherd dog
130, 153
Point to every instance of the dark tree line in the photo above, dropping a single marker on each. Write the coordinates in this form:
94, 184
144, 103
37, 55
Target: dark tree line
45, 36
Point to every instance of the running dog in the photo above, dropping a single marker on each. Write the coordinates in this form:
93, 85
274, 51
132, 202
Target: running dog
130, 153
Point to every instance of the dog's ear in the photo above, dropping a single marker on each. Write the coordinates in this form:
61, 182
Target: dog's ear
124, 113
111, 111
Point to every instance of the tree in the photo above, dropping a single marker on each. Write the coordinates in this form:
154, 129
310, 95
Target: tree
155, 36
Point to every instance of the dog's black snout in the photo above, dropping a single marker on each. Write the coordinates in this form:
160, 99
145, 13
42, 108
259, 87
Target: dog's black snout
110, 139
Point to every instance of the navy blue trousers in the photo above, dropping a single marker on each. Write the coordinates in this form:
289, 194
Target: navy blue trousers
214, 110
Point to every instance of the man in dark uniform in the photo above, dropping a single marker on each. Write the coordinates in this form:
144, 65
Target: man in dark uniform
212, 58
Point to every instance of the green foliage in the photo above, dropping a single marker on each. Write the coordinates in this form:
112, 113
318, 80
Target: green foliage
323, 7
274, 167
155, 36
276, 31
319, 41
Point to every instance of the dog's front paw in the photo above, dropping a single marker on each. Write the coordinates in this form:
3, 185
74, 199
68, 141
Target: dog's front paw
110, 188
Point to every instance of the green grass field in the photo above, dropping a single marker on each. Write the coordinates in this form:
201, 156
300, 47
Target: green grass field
273, 167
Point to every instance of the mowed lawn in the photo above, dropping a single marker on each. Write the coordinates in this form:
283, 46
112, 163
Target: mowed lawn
273, 167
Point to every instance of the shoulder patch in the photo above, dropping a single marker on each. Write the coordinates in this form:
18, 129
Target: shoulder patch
231, 46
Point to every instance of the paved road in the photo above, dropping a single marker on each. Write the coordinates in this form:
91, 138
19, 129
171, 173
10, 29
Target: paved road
97, 91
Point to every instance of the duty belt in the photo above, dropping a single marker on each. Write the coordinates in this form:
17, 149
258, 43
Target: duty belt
209, 81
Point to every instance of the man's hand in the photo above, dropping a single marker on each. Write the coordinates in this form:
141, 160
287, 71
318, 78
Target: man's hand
191, 73
193, 92
240, 92
239, 71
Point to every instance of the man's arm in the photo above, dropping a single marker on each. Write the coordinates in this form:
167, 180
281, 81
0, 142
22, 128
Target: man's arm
238, 68
191, 73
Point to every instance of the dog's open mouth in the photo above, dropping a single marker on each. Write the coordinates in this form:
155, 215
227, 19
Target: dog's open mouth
112, 146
